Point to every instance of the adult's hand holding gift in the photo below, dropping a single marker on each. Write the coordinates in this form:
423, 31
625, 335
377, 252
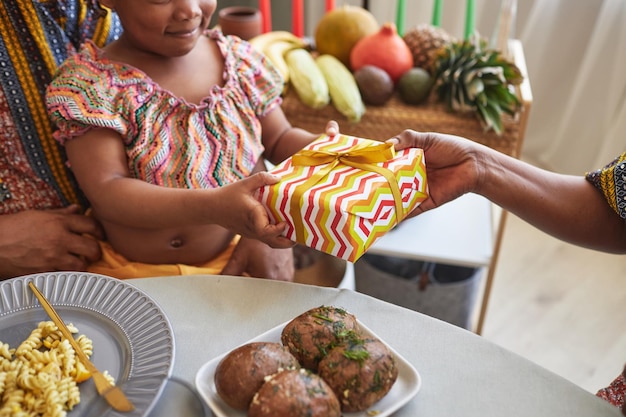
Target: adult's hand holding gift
341, 193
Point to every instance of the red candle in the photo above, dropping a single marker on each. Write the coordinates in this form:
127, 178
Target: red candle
266, 15
298, 18
330, 5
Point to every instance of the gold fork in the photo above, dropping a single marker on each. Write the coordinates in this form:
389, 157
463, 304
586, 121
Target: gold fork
111, 393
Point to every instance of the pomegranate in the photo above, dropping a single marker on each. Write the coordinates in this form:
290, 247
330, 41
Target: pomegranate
384, 49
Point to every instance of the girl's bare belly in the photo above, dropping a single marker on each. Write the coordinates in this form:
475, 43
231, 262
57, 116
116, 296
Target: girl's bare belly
191, 245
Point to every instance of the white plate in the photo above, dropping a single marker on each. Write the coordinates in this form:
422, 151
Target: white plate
406, 386
132, 338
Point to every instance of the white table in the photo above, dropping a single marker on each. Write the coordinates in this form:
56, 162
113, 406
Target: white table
463, 374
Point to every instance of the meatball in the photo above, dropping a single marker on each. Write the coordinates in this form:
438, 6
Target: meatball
312, 334
360, 372
240, 374
295, 393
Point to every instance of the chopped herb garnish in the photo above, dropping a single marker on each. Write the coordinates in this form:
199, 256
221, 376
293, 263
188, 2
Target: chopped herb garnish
351, 337
356, 354
325, 318
378, 382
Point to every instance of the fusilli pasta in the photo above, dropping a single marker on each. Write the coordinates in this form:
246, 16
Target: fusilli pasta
40, 377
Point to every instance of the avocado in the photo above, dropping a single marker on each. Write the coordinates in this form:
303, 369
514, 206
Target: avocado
375, 85
414, 85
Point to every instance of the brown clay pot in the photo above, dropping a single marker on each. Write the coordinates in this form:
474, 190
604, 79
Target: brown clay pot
241, 21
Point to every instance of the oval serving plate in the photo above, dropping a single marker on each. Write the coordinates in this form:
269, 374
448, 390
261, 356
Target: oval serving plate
132, 337
404, 389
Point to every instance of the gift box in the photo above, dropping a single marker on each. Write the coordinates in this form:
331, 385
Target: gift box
341, 193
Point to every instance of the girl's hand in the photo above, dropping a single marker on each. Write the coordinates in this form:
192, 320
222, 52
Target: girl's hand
332, 128
241, 212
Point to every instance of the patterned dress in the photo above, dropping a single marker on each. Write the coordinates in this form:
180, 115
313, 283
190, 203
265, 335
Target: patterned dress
168, 141
35, 38
611, 180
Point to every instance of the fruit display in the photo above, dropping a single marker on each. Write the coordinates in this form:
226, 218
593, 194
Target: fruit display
471, 77
359, 63
316, 82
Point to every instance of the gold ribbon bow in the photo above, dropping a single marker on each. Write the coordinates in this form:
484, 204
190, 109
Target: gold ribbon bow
362, 156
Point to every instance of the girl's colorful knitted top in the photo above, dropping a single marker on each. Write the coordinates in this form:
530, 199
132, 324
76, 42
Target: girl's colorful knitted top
169, 141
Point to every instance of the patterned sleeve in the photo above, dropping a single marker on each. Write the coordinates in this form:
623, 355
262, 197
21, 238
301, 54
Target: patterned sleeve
88, 19
80, 98
611, 181
98, 23
260, 80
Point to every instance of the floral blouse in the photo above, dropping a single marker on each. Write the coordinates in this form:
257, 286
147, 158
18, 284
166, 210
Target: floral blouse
168, 141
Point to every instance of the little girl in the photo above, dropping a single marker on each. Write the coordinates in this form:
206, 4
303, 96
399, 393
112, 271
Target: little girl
161, 128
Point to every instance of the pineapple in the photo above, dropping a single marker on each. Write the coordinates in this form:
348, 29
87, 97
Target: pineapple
424, 41
470, 77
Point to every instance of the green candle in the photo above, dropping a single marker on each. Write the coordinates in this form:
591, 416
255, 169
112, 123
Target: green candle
437, 13
400, 17
469, 19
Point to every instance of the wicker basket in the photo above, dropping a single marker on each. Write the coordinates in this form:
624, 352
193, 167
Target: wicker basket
383, 122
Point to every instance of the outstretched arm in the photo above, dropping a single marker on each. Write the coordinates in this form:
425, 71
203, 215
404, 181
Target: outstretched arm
281, 140
565, 206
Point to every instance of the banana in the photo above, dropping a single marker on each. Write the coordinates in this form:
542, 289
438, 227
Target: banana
274, 45
262, 41
307, 79
343, 89
276, 52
